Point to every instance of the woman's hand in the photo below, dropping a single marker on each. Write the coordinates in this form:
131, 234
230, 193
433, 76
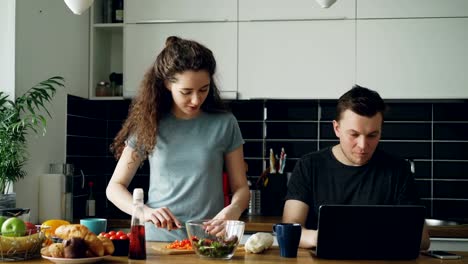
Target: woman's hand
230, 212
162, 218
216, 226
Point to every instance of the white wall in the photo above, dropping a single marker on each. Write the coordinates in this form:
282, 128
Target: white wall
50, 41
7, 47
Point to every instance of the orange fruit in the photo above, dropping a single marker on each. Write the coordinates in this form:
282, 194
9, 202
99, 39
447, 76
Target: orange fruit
49, 226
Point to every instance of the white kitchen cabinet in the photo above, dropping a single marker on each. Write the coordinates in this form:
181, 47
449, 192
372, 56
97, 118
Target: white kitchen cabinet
143, 42
296, 59
411, 8
141, 11
414, 58
106, 50
291, 10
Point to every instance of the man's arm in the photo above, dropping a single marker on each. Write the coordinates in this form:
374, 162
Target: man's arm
296, 211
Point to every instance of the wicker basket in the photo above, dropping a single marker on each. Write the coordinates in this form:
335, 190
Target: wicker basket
21, 248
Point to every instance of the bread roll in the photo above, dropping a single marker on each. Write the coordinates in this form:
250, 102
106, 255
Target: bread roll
45, 251
259, 242
74, 248
55, 250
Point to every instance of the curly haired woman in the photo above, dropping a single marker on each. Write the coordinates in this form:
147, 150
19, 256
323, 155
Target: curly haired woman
179, 123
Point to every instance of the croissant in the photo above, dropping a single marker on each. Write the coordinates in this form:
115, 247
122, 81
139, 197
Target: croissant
92, 242
108, 245
69, 231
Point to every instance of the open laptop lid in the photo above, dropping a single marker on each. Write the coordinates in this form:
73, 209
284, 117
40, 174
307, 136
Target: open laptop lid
369, 231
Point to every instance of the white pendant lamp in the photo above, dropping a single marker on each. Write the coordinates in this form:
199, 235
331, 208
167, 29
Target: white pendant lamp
325, 3
78, 6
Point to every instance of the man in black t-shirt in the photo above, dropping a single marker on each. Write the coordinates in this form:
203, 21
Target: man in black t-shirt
353, 172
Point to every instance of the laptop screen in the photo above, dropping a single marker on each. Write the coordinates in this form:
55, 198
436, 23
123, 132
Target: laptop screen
369, 231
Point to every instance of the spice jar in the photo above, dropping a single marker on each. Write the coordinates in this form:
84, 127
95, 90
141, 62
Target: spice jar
103, 89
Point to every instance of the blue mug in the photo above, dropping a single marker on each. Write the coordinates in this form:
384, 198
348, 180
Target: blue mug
288, 236
95, 225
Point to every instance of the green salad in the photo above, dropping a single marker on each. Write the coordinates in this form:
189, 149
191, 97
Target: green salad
219, 248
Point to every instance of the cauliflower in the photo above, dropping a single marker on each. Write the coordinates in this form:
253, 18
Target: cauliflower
259, 242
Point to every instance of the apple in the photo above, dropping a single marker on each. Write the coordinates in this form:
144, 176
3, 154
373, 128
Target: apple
30, 228
13, 227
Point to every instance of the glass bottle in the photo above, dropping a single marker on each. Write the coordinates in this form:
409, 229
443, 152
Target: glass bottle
91, 203
137, 246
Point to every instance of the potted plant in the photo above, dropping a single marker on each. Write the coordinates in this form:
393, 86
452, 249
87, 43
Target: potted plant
17, 118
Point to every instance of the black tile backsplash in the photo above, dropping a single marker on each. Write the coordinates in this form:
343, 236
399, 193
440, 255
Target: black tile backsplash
432, 134
408, 149
294, 149
291, 110
424, 188
247, 110
290, 130
446, 189
452, 111
413, 111
253, 149
451, 150
327, 110
450, 209
326, 130
451, 131
422, 169
402, 131
451, 169
251, 129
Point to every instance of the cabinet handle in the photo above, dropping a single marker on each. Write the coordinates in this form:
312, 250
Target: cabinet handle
294, 19
167, 21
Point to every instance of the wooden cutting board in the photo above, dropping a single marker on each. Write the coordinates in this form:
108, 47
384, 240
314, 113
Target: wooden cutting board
161, 249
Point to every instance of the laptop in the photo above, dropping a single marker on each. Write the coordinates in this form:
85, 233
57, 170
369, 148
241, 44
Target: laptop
369, 231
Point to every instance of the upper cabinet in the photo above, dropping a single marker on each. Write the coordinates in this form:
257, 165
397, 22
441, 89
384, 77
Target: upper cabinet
144, 41
147, 11
411, 8
296, 59
106, 49
251, 10
414, 58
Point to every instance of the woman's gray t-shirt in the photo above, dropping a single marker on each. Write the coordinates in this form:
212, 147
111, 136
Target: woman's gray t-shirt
186, 168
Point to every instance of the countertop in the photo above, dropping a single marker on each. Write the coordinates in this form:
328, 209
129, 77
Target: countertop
270, 256
265, 224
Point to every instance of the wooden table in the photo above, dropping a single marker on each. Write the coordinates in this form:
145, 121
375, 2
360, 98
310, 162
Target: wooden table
270, 256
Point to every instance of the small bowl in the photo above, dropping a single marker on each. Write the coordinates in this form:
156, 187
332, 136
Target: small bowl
121, 247
221, 244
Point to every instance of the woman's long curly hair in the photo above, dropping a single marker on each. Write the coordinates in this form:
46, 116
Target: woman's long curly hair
154, 100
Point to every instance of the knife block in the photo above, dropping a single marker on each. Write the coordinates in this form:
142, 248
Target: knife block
273, 194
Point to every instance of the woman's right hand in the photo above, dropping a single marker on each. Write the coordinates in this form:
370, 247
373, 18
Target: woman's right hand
162, 218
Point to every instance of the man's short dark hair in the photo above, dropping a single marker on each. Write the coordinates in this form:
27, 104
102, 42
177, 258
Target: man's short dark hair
362, 101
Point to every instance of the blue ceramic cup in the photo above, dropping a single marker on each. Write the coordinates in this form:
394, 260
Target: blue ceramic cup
288, 236
95, 225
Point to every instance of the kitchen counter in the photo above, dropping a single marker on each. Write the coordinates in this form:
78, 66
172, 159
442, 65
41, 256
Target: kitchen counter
265, 224
270, 256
